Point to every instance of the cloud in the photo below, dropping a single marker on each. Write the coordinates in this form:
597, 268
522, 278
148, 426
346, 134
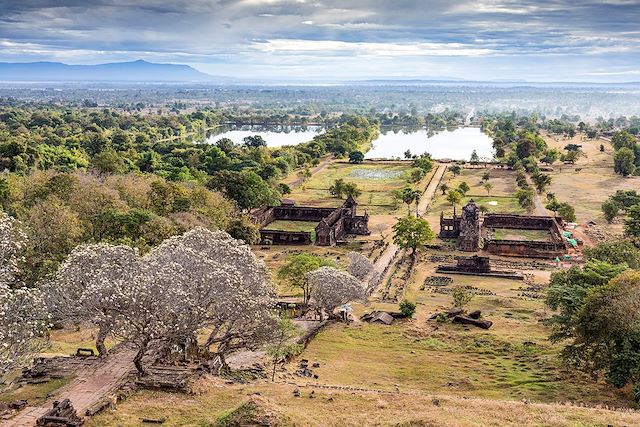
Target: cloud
252, 36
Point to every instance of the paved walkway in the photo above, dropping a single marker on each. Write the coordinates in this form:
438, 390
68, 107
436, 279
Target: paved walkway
90, 387
425, 199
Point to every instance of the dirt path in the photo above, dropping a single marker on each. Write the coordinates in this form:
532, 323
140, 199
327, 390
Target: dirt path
298, 182
539, 210
389, 254
90, 387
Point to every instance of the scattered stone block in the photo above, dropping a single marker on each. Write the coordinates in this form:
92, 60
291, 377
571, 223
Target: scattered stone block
484, 324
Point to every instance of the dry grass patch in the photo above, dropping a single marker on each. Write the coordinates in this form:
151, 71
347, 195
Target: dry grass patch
333, 407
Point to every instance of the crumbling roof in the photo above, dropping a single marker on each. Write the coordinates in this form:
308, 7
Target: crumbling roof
378, 317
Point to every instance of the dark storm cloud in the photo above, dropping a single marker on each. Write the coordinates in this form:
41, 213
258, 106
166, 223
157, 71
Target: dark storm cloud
403, 37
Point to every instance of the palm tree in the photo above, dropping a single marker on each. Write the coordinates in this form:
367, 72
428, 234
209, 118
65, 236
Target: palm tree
409, 195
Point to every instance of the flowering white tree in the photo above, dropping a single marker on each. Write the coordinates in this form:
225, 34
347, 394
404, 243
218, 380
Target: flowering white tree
85, 281
12, 241
227, 283
23, 315
197, 280
331, 288
359, 265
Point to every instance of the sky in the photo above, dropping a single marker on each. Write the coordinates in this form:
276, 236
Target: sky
555, 40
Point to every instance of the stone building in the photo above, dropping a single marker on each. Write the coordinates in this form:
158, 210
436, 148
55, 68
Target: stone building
333, 223
469, 237
474, 233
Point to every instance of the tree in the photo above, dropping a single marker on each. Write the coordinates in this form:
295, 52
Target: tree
550, 156
607, 332
464, 188
615, 252
108, 162
423, 162
455, 170
416, 175
407, 308
410, 195
525, 198
359, 265
23, 326
281, 348
553, 205
246, 188
568, 290
567, 212
541, 181
461, 296
304, 175
53, 230
475, 159
488, 187
356, 157
284, 188
295, 270
12, 245
331, 288
610, 210
623, 139
444, 187
23, 315
632, 222
255, 141
571, 156
202, 280
454, 197
486, 176
351, 189
410, 233
624, 162
337, 189
242, 228
88, 274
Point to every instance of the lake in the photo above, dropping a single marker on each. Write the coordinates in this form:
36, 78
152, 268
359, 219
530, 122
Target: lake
457, 144
276, 136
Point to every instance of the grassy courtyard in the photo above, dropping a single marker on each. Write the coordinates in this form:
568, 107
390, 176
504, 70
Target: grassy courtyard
282, 225
499, 200
376, 180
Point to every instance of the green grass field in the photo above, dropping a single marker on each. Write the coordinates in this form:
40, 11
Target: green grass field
526, 235
282, 225
376, 180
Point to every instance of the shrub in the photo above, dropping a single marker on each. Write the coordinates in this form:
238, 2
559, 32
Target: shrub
461, 296
407, 308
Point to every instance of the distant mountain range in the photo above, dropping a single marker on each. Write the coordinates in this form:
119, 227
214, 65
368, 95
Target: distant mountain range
136, 71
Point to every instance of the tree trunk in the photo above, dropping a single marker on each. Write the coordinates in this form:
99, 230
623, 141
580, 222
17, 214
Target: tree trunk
137, 360
103, 331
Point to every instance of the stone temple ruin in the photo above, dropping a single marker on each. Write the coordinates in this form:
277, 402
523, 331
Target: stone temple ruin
505, 234
333, 223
